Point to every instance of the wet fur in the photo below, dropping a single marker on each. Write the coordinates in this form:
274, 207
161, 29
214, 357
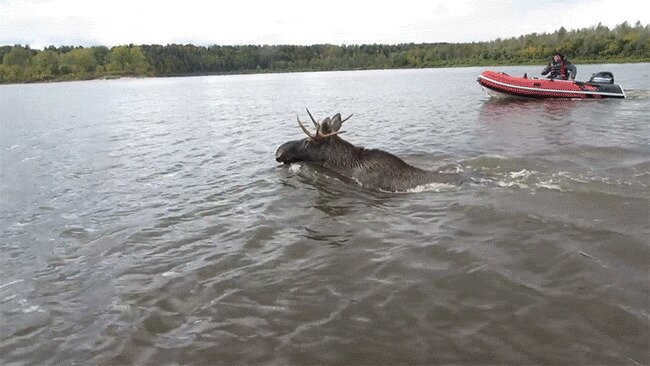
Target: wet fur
372, 168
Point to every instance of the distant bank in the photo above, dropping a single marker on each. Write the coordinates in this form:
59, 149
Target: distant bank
598, 44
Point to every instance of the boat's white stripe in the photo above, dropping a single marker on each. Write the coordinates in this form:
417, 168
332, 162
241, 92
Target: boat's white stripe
551, 90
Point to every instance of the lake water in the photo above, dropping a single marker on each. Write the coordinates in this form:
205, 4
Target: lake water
146, 221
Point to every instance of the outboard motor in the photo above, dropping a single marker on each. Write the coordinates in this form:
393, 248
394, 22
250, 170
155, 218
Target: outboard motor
603, 77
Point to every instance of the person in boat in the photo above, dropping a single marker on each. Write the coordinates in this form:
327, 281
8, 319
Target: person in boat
560, 68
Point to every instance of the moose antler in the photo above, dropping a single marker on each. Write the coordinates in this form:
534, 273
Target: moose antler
305, 130
322, 136
316, 124
318, 134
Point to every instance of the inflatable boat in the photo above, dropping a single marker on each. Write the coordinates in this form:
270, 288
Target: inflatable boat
498, 84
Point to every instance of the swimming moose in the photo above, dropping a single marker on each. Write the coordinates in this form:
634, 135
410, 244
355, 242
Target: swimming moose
371, 168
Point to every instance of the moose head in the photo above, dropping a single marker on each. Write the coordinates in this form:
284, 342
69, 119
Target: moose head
316, 147
371, 168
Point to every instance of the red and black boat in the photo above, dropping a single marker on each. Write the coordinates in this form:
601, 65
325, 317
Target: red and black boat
499, 84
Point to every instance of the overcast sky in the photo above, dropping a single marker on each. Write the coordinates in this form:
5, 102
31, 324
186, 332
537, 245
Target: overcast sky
40, 23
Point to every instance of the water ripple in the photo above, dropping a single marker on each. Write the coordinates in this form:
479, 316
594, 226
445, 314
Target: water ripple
155, 227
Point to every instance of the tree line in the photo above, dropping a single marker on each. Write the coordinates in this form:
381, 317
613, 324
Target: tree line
623, 43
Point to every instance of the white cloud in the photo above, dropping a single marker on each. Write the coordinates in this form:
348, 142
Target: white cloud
43, 22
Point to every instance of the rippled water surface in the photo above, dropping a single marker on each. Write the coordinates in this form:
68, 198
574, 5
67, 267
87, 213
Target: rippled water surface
146, 221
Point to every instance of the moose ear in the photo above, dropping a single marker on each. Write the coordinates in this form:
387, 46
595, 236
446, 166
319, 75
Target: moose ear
335, 123
325, 125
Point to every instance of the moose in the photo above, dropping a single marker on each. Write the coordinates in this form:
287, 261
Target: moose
371, 168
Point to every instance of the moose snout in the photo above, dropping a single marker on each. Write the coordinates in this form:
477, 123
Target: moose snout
293, 151
284, 153
278, 155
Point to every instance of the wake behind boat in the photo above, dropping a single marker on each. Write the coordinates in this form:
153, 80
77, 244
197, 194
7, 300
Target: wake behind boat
499, 84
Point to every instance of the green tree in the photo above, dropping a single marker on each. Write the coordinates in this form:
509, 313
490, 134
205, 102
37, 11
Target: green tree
80, 61
47, 64
125, 60
18, 56
100, 53
593, 44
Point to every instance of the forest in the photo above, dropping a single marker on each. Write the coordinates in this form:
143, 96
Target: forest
596, 44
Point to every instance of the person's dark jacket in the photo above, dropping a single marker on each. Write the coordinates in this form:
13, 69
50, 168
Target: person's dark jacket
560, 70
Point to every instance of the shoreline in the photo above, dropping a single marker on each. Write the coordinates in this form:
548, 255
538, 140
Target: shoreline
291, 71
